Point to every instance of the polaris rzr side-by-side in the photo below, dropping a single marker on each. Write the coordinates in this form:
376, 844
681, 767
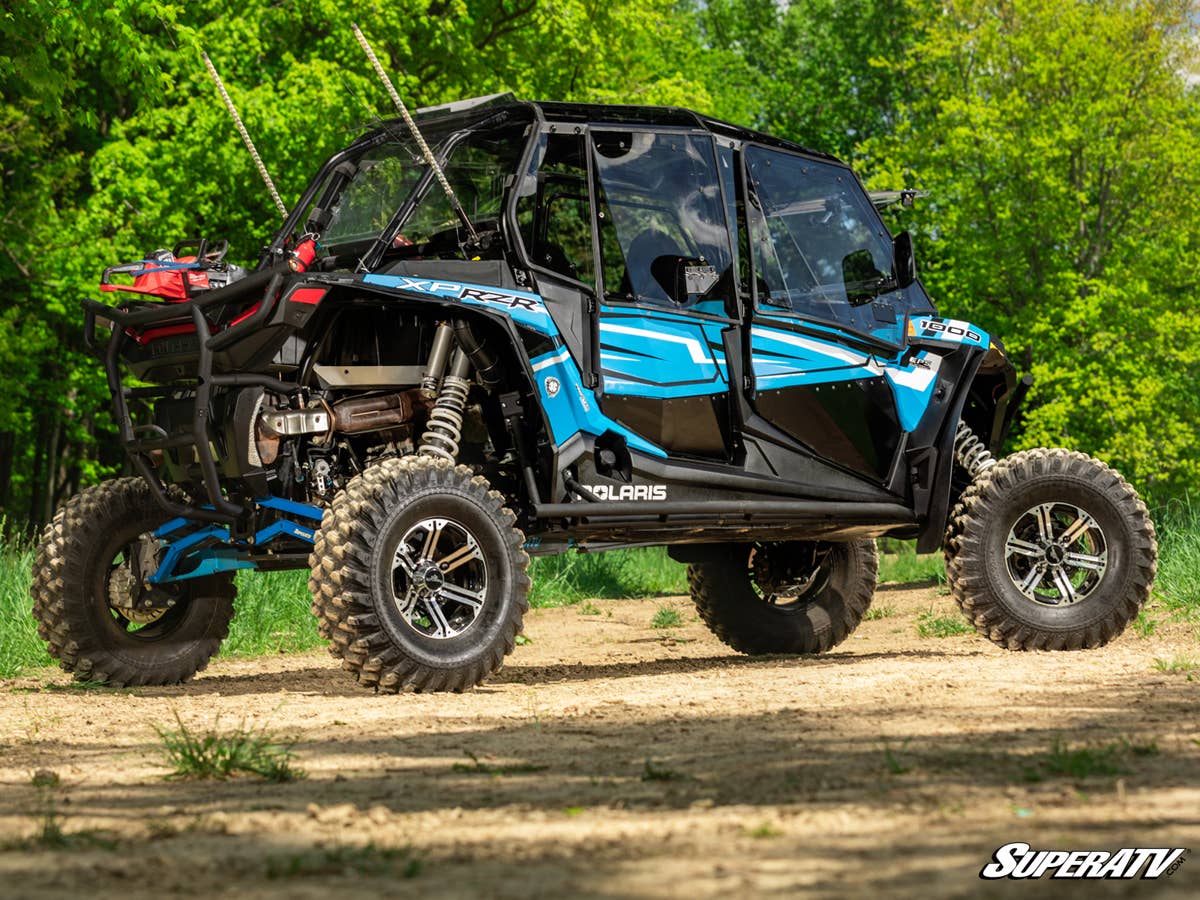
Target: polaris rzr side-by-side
611, 326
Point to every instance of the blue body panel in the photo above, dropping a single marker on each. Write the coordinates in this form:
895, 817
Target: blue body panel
663, 354
646, 352
571, 408
523, 307
660, 355
783, 358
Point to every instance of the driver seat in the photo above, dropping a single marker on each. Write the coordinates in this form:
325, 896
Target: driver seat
650, 262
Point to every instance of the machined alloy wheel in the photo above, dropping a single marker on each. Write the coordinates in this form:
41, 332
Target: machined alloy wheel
1056, 553
419, 577
1050, 550
439, 578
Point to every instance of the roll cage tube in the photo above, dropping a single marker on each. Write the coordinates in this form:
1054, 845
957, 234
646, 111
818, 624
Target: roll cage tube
292, 223
420, 191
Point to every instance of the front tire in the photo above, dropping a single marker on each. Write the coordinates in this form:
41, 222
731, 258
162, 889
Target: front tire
1051, 550
86, 594
786, 597
419, 577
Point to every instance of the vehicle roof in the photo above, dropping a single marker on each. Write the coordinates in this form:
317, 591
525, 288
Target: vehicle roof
477, 109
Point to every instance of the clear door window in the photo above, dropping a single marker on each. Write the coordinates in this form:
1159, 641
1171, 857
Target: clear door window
819, 247
553, 211
663, 233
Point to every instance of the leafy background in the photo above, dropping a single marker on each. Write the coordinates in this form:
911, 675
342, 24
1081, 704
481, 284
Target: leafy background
1057, 140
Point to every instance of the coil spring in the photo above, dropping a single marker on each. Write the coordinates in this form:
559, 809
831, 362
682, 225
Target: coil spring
970, 451
445, 421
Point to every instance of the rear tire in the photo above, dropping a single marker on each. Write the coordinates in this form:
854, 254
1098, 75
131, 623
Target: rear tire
84, 561
419, 577
810, 616
1051, 550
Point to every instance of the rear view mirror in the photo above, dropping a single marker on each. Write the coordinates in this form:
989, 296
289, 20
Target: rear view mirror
904, 262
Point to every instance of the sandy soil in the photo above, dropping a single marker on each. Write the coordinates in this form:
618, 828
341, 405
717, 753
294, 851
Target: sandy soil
616, 760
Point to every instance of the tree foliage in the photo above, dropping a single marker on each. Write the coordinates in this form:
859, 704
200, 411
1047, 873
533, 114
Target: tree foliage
1058, 143
1056, 140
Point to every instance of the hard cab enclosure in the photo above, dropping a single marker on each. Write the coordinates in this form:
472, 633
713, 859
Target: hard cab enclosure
693, 331
589, 326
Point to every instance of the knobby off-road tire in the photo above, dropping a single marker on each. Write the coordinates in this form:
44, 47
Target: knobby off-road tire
816, 620
375, 607
73, 570
1050, 550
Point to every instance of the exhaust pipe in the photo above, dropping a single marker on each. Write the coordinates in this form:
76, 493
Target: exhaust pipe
358, 415
355, 415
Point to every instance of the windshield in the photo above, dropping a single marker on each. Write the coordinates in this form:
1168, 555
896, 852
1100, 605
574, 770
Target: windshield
820, 249
386, 176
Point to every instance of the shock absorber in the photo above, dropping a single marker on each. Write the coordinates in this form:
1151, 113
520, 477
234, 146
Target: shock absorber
444, 429
970, 451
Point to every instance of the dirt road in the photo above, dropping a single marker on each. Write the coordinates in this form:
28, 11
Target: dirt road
613, 759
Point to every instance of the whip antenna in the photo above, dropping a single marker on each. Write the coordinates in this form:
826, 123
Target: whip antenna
237, 120
416, 132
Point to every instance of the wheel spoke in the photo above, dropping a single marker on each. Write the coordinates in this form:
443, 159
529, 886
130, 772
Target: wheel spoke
403, 560
1066, 590
1022, 548
426, 575
1084, 561
462, 555
431, 539
1032, 580
1078, 527
473, 599
441, 628
1045, 521
407, 604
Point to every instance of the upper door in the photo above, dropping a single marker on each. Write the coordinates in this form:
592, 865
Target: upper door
827, 326
668, 279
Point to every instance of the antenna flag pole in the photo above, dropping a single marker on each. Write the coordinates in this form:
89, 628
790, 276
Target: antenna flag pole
416, 132
237, 120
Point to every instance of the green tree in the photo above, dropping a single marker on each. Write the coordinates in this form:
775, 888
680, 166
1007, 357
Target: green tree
819, 72
1058, 143
113, 142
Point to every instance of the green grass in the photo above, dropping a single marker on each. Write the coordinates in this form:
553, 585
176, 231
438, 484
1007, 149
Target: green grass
1178, 665
666, 618
271, 615
900, 563
1178, 582
653, 771
1078, 763
929, 625
369, 861
225, 754
20, 646
892, 761
574, 577
478, 767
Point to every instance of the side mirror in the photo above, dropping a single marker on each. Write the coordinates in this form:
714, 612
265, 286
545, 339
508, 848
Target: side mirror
863, 282
904, 261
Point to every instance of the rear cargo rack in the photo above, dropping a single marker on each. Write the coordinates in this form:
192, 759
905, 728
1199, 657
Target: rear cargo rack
139, 447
